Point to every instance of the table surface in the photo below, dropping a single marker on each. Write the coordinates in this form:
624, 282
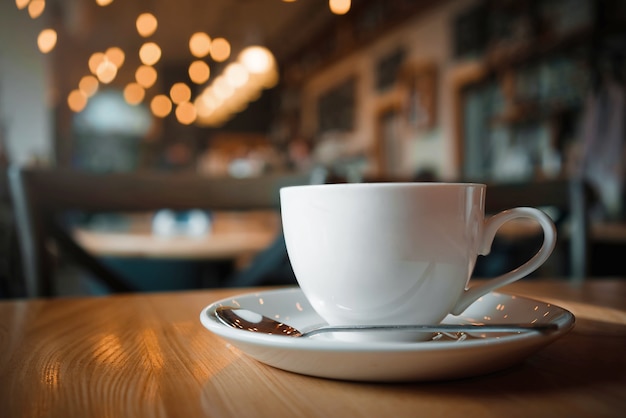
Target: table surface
232, 235
147, 355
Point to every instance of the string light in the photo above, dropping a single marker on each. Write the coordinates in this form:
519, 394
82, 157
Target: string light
146, 24
47, 40
186, 113
200, 44
161, 106
339, 7
36, 8
220, 49
134, 93
180, 92
115, 55
88, 85
199, 72
150, 53
21, 4
146, 76
77, 100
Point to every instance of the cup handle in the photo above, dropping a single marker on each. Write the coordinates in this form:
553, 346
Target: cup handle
491, 226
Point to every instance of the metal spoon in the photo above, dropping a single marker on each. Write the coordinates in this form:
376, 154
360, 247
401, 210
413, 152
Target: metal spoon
255, 322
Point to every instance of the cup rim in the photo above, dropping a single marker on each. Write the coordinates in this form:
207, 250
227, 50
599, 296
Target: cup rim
388, 185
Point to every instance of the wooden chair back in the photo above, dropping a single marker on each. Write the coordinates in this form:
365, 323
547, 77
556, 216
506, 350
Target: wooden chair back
39, 196
570, 198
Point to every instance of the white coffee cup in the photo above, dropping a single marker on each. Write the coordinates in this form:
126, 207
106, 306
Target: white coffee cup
395, 253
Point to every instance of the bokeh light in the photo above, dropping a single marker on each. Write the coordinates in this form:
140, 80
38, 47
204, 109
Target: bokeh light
134, 93
220, 49
200, 44
47, 40
146, 24
161, 106
150, 53
146, 76
199, 72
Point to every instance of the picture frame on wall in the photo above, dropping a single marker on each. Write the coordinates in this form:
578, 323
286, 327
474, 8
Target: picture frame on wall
336, 107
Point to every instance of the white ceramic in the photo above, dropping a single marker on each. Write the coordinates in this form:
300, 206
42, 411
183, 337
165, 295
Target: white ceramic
395, 253
326, 356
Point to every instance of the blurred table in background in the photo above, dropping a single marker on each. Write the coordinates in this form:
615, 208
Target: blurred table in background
127, 243
232, 235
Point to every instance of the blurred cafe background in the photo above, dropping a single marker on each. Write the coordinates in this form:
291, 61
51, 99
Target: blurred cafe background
121, 120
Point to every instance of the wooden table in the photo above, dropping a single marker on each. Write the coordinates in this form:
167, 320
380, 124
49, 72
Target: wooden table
147, 355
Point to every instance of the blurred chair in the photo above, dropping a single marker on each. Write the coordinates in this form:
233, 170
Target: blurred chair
567, 202
41, 197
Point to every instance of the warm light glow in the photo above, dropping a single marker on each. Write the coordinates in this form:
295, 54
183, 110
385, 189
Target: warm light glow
236, 75
103, 3
76, 100
146, 76
146, 24
220, 49
134, 93
186, 113
150, 53
36, 8
47, 40
161, 106
222, 89
21, 3
256, 59
199, 72
180, 92
200, 44
116, 56
339, 7
88, 85
107, 71
95, 60
240, 83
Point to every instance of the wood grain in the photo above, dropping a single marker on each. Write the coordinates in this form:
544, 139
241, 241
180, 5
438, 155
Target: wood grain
147, 355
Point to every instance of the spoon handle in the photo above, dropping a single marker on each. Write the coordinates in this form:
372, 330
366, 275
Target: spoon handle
437, 328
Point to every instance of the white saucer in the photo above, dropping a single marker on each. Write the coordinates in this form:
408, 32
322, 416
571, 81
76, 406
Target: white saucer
325, 356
